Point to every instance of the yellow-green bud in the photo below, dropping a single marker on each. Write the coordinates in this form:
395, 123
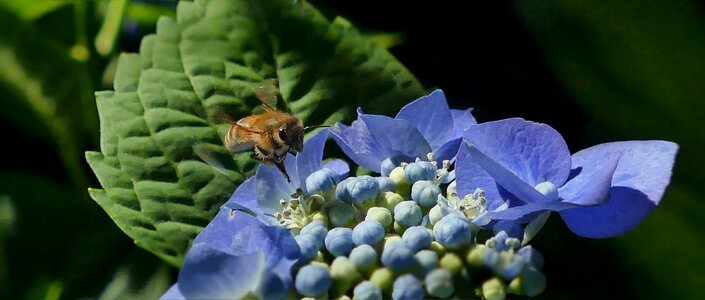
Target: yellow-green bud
438, 248
391, 238
476, 256
452, 263
493, 289
383, 278
319, 257
389, 200
531, 283
381, 215
320, 216
398, 228
344, 276
435, 215
403, 186
341, 214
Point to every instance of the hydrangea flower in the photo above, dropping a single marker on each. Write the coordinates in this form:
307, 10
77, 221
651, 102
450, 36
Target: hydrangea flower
422, 126
408, 234
240, 253
602, 191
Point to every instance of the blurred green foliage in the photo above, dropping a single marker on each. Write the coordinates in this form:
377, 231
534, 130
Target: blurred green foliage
636, 70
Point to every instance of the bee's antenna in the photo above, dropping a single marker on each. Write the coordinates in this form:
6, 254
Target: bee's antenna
315, 126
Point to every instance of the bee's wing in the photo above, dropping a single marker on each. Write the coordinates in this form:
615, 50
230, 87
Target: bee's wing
221, 162
266, 92
242, 136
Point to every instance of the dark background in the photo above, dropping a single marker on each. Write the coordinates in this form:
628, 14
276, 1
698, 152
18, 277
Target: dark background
595, 71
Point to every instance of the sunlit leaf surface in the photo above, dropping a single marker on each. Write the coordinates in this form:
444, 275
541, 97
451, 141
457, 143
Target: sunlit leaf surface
207, 59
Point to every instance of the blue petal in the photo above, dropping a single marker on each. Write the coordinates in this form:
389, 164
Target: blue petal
462, 120
310, 159
173, 293
220, 231
431, 117
638, 184
470, 176
504, 177
280, 249
518, 213
339, 166
591, 185
244, 197
396, 137
447, 150
271, 185
533, 152
208, 273
358, 143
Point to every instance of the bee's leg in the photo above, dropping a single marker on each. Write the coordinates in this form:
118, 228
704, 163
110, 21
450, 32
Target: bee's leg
256, 157
280, 166
260, 155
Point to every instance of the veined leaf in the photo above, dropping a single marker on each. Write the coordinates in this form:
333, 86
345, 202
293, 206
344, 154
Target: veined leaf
154, 186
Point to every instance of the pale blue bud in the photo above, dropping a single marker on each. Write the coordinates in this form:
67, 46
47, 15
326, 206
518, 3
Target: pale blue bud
420, 170
339, 241
386, 184
364, 257
452, 232
417, 238
313, 280
341, 190
363, 189
368, 232
367, 291
498, 242
408, 213
439, 283
425, 193
317, 230
398, 257
548, 189
427, 260
321, 181
309, 246
407, 287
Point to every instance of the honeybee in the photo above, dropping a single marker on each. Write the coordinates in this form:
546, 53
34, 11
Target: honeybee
270, 135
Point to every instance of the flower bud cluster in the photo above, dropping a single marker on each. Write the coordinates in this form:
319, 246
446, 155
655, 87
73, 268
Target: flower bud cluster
402, 237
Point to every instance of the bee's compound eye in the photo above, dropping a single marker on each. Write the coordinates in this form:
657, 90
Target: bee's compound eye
282, 134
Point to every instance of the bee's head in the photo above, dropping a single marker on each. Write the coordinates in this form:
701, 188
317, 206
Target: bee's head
291, 133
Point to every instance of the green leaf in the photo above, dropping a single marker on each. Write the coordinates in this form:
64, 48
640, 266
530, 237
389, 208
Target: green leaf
45, 92
207, 60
